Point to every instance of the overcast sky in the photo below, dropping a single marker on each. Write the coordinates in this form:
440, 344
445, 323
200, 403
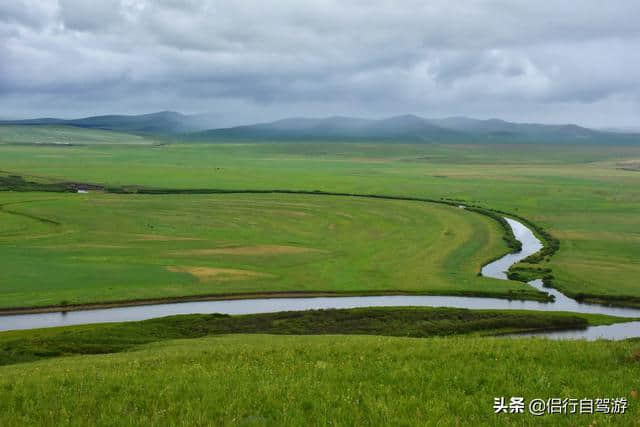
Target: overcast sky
544, 61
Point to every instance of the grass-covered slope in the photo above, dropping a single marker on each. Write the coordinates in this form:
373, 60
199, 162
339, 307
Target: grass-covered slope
322, 380
161, 123
62, 249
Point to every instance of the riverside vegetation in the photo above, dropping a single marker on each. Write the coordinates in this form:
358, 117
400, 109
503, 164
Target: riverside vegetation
23, 346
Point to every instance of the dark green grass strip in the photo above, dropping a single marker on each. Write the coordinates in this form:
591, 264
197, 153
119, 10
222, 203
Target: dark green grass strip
25, 346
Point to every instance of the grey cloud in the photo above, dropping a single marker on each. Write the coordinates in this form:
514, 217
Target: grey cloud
29, 13
83, 15
257, 59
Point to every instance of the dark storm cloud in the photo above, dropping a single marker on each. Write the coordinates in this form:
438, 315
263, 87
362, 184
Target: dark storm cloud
523, 60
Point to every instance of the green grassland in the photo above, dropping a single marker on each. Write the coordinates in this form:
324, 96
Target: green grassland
321, 380
60, 248
66, 248
587, 196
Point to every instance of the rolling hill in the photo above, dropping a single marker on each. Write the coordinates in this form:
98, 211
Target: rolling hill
160, 123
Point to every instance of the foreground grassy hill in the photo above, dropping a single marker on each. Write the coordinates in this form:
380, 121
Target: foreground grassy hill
322, 380
61, 248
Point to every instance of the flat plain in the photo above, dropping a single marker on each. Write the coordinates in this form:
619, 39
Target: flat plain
109, 247
586, 196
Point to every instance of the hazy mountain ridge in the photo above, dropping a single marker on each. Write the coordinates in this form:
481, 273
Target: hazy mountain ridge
403, 128
159, 123
413, 128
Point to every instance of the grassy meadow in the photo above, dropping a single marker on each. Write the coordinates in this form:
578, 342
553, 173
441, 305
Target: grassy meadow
587, 196
322, 380
383, 366
67, 248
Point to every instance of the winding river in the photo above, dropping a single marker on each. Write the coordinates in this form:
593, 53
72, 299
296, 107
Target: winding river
496, 269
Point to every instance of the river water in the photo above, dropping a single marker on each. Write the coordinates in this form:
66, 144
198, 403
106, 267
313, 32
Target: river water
496, 269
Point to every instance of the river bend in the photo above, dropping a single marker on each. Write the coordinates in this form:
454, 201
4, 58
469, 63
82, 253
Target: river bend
497, 269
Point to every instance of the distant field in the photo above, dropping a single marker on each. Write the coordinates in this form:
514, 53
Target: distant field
65, 135
60, 248
586, 196
322, 380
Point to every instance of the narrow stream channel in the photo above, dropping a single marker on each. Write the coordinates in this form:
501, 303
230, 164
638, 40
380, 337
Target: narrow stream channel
496, 269
530, 245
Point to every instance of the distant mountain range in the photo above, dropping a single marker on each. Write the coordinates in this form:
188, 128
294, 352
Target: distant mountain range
412, 128
160, 123
405, 128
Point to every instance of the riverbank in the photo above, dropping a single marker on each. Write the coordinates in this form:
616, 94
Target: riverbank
498, 269
525, 295
23, 346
